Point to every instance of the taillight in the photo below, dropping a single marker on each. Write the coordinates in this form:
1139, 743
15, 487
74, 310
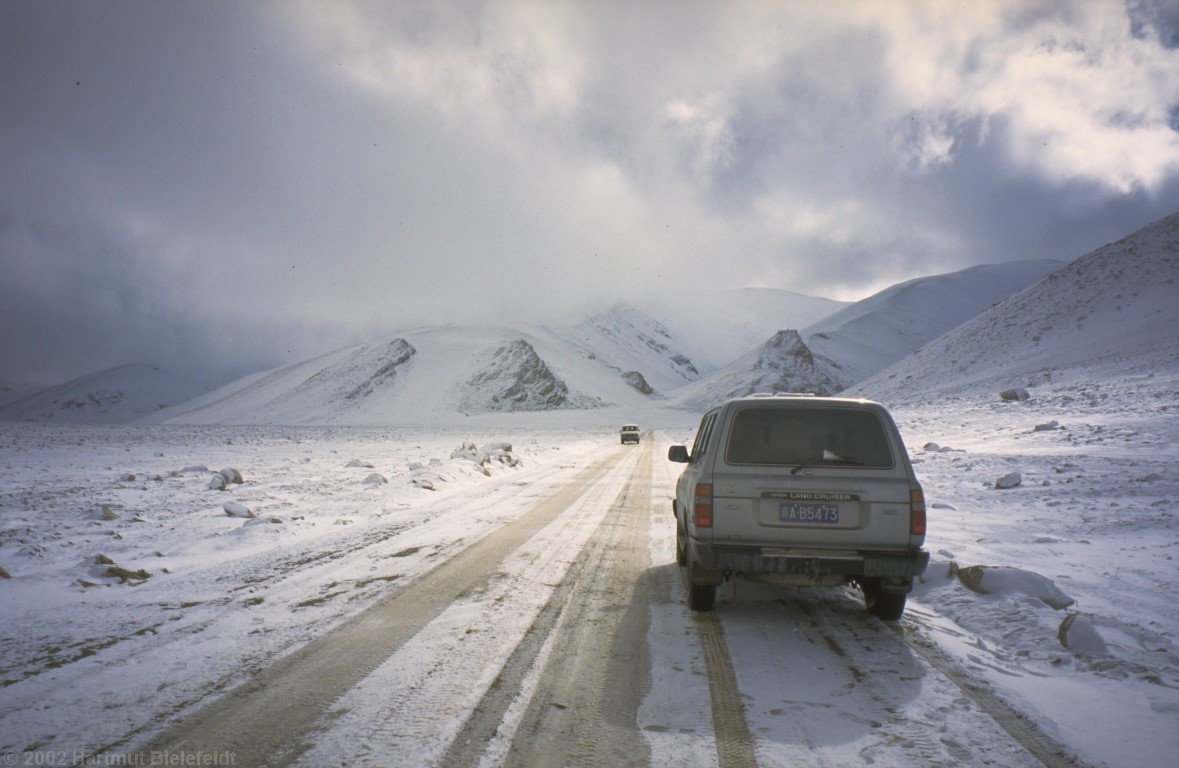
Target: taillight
702, 505
916, 512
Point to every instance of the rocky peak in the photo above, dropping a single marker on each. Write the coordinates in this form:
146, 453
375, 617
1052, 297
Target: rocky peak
516, 379
785, 348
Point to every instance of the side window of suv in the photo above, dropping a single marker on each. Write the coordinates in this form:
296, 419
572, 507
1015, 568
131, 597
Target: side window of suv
700, 447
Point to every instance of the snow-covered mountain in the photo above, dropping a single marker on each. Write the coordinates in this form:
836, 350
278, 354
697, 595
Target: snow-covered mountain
112, 396
1110, 314
781, 364
421, 377
885, 327
1114, 308
715, 327
515, 378
11, 391
634, 343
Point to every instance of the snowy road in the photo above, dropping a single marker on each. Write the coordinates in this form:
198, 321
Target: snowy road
521, 614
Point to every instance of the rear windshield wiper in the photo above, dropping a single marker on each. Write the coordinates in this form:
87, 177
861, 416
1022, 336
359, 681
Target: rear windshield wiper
828, 457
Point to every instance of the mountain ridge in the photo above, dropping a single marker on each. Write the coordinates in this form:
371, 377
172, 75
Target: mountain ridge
622, 359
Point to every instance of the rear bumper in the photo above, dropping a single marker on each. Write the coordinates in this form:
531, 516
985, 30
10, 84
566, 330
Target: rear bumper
710, 563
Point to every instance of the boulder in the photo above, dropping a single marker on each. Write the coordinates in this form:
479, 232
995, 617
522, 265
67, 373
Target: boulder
1010, 480
231, 475
1078, 635
105, 512
233, 509
1002, 580
467, 450
1015, 395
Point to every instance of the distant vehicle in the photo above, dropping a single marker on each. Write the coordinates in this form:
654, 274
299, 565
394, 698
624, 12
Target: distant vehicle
800, 491
630, 434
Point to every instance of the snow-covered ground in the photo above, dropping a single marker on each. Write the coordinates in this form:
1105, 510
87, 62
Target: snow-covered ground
1084, 550
1080, 552
84, 666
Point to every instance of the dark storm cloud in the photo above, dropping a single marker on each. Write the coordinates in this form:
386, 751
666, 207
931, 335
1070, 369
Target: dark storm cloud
231, 186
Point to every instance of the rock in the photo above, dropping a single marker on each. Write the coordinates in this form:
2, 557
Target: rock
1047, 427
501, 452
467, 450
1016, 395
1010, 480
375, 479
1002, 580
636, 380
233, 509
359, 463
217, 482
396, 353
931, 447
516, 379
4, 574
414, 466
101, 559
1078, 634
105, 512
88, 583
231, 475
128, 478
125, 575
264, 520
421, 482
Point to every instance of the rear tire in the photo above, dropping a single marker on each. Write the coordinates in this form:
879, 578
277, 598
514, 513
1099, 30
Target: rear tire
681, 546
701, 597
887, 606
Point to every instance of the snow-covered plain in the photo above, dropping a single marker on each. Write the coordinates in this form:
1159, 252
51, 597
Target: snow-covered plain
1089, 533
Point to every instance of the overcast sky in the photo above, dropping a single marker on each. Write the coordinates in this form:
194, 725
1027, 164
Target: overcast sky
237, 185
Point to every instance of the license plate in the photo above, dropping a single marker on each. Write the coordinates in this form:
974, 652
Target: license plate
820, 512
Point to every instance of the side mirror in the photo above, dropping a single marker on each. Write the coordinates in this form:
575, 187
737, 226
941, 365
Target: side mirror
678, 454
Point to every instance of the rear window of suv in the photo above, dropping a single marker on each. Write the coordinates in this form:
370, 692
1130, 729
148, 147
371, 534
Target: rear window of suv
813, 435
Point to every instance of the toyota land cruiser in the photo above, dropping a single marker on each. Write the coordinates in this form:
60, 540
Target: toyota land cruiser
803, 491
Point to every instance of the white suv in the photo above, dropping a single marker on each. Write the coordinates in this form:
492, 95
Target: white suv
802, 491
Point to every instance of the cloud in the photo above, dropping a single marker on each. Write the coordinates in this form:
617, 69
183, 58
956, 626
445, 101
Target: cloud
1084, 92
301, 176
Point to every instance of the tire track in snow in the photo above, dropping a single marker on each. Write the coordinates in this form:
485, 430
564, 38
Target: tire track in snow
1018, 726
263, 721
734, 742
583, 711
